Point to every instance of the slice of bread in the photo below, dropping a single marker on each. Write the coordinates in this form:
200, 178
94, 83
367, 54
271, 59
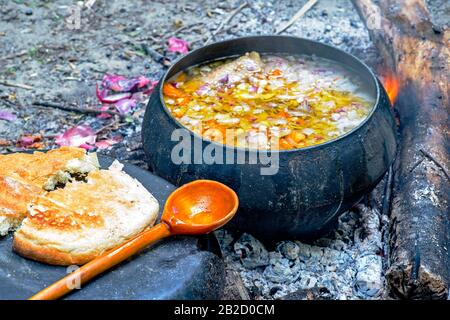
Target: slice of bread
75, 224
24, 176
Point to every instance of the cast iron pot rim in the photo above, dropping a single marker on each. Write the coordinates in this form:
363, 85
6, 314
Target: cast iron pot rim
317, 146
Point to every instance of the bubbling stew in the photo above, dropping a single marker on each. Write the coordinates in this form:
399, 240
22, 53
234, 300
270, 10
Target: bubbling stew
268, 101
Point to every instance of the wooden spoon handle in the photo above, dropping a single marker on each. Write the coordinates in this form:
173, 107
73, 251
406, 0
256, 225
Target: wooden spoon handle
103, 263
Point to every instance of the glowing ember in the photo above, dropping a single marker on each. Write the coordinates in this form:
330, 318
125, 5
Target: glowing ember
392, 87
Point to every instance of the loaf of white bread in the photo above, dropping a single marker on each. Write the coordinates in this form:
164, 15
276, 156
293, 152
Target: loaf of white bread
66, 210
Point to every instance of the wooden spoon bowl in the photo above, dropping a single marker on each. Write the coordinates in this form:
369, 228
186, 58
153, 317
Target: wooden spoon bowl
199, 207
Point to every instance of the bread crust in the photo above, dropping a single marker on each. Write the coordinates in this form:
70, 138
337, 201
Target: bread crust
26, 248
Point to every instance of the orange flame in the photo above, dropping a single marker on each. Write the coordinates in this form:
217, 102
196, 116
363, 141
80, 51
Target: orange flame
392, 86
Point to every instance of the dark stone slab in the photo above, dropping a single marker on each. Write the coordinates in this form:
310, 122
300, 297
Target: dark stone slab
178, 268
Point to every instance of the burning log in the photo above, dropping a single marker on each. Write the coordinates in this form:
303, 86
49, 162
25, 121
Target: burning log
418, 53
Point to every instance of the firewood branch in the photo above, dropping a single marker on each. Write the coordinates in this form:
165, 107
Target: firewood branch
412, 47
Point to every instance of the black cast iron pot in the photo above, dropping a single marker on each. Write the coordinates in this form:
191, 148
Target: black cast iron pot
313, 185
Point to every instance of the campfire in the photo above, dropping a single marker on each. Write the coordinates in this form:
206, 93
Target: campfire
89, 85
392, 86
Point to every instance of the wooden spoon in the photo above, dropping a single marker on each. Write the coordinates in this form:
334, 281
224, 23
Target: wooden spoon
198, 207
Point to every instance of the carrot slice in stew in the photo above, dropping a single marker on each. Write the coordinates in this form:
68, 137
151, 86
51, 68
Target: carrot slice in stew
183, 101
297, 136
284, 144
276, 73
170, 91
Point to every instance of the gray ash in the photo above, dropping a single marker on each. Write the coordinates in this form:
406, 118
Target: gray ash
344, 265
